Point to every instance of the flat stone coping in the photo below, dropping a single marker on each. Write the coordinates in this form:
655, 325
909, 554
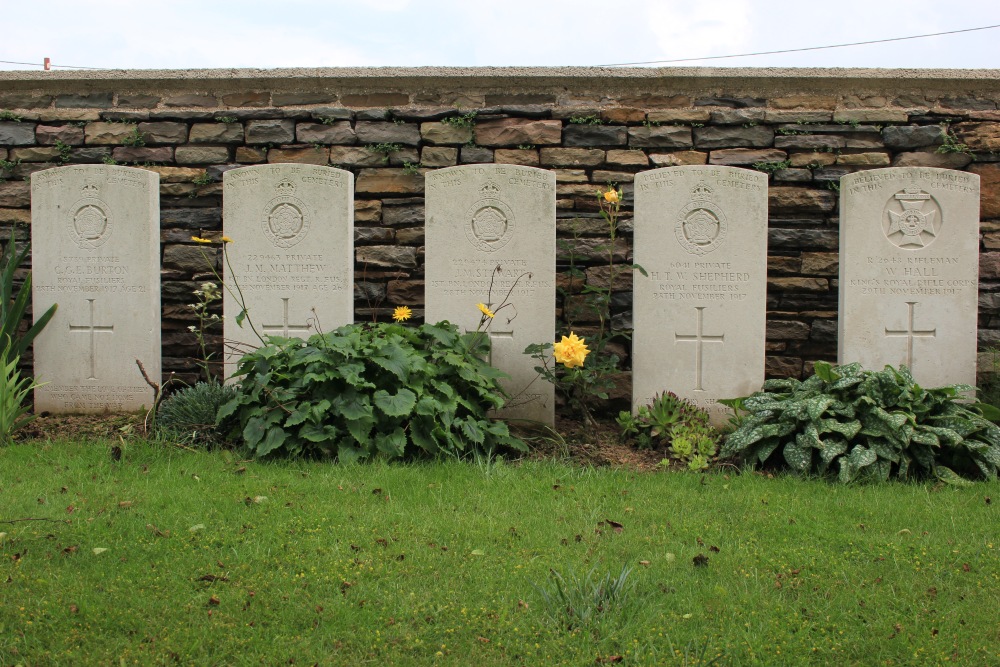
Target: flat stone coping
612, 79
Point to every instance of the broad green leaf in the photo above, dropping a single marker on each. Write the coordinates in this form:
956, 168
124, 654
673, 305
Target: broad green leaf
393, 443
394, 359
798, 456
360, 429
949, 476
274, 439
398, 405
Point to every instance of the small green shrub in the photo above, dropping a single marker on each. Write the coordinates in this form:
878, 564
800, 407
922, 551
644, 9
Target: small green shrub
674, 424
573, 602
371, 390
14, 391
866, 425
14, 301
192, 413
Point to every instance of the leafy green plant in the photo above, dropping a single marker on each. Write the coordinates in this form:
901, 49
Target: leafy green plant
14, 301
64, 151
371, 390
588, 377
7, 168
466, 120
107, 159
14, 391
191, 413
866, 425
771, 167
573, 602
411, 168
950, 143
228, 120
10, 116
592, 119
205, 296
385, 150
673, 424
134, 138
204, 179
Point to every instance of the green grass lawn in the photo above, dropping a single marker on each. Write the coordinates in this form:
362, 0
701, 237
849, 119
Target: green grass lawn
177, 557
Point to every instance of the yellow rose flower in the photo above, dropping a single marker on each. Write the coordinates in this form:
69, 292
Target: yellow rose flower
402, 313
198, 239
485, 311
571, 351
611, 196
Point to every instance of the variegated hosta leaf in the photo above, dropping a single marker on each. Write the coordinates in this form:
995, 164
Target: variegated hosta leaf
861, 457
765, 449
832, 448
817, 406
798, 456
949, 476
847, 470
884, 451
809, 437
848, 429
923, 437
922, 456
947, 436
903, 472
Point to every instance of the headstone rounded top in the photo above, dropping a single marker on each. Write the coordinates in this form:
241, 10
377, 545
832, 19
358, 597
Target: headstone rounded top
229, 174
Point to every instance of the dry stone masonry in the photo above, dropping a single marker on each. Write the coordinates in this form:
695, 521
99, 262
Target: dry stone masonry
491, 239
699, 312
292, 252
909, 271
804, 130
95, 254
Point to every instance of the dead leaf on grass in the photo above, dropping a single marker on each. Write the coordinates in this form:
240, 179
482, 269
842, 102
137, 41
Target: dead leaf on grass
701, 560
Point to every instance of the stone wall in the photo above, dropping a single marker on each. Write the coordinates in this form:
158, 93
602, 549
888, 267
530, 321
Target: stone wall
806, 128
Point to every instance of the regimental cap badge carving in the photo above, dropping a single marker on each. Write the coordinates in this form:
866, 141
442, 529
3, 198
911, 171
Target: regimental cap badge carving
489, 189
701, 225
912, 219
490, 221
90, 221
702, 192
286, 218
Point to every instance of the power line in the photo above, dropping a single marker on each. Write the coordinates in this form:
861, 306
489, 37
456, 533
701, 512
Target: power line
12, 62
810, 48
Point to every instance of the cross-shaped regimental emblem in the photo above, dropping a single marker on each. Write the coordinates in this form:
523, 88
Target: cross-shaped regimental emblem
285, 328
910, 333
699, 338
93, 330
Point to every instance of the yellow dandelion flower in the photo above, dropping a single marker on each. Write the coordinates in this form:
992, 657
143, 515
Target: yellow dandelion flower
485, 310
571, 351
611, 196
402, 313
198, 239
226, 239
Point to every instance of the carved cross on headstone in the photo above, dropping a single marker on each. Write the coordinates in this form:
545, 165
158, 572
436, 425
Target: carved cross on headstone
92, 329
285, 327
910, 333
699, 338
494, 335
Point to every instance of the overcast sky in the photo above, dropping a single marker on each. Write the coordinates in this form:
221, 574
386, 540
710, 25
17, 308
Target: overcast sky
181, 34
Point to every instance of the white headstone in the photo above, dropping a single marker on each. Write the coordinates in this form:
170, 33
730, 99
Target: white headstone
292, 255
480, 217
909, 272
96, 253
699, 316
